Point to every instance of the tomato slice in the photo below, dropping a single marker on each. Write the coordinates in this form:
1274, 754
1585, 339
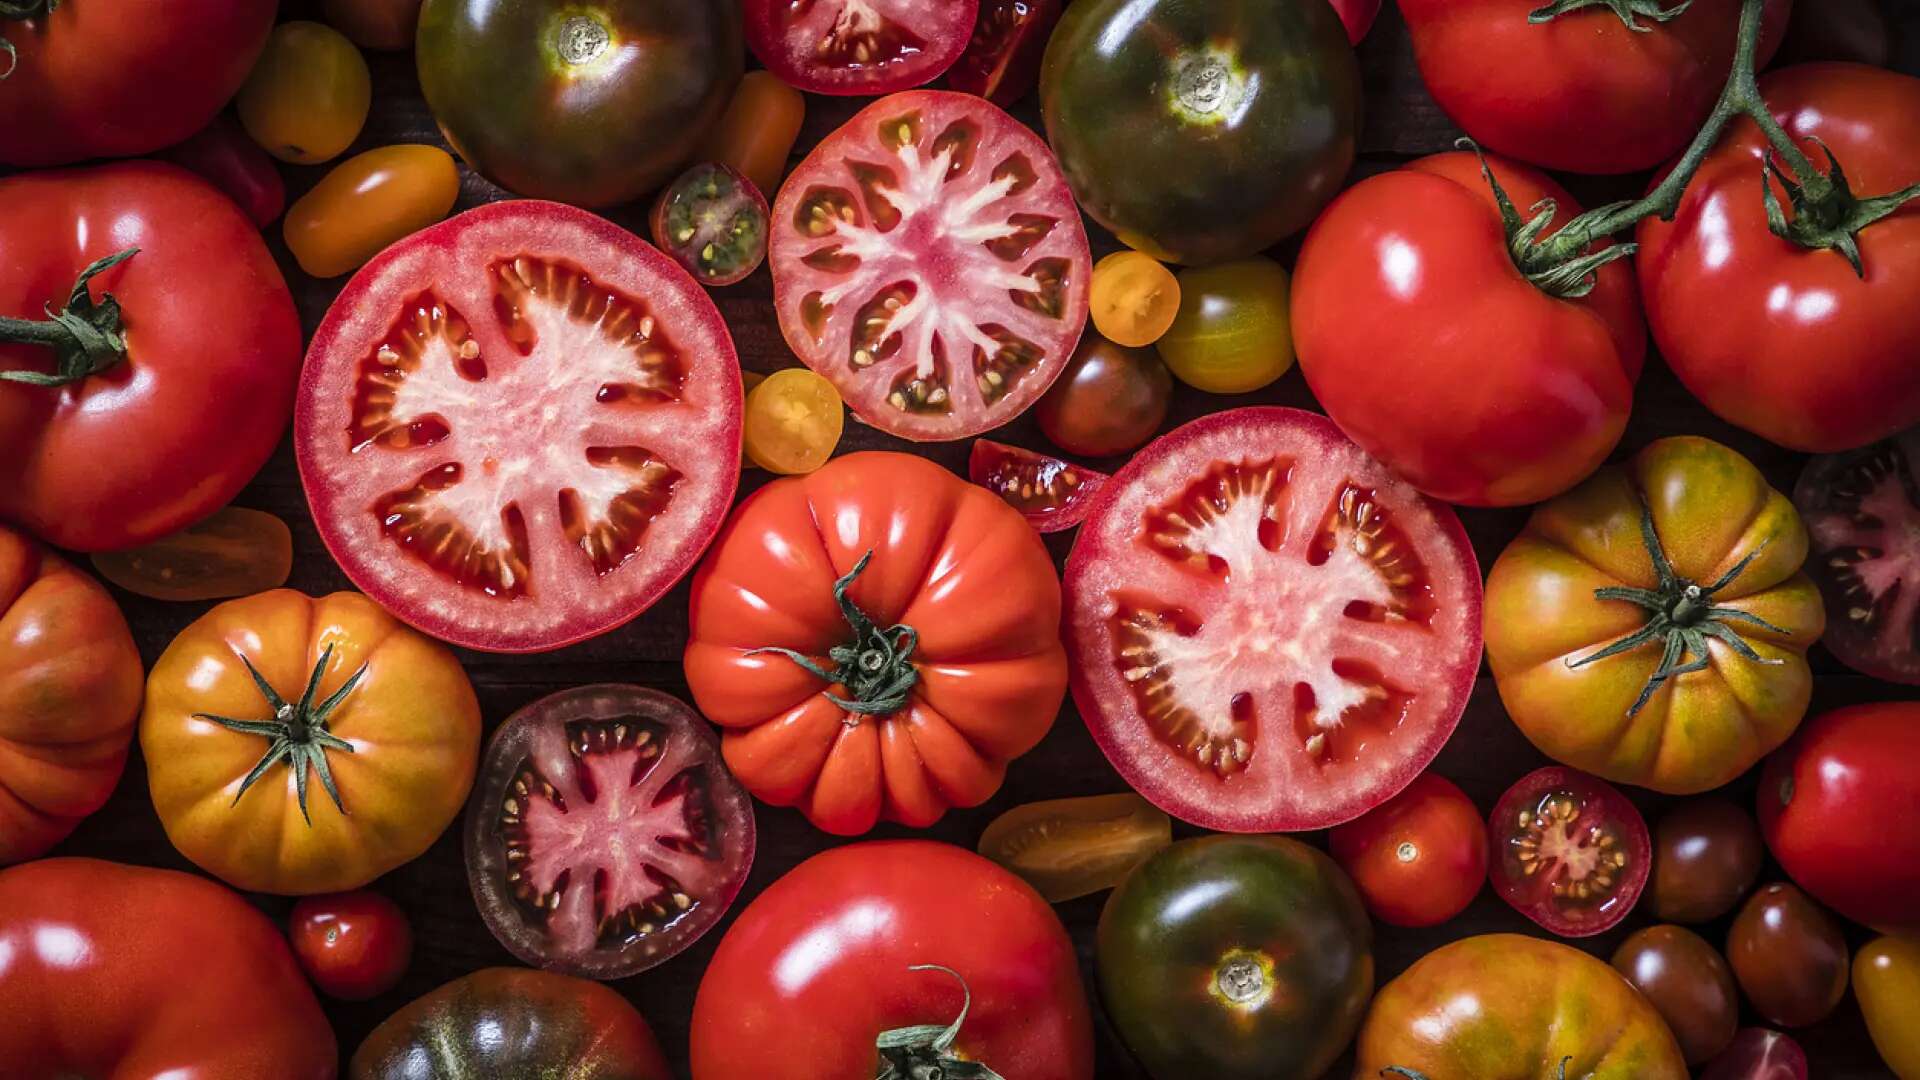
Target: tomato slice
1069, 848
519, 427
1569, 851
1002, 60
713, 221
1270, 632
1051, 494
928, 258
605, 835
1862, 510
859, 46
1759, 1054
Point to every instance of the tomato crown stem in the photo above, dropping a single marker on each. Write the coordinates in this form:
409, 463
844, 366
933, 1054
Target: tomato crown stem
924, 1051
877, 665
1629, 11
297, 732
86, 337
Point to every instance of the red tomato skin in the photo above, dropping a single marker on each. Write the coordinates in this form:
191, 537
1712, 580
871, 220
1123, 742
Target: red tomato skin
224, 155
172, 433
1840, 808
1788, 343
353, 945
1449, 869
1426, 345
1358, 16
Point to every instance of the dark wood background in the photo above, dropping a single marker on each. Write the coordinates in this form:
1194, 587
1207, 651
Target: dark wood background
1485, 755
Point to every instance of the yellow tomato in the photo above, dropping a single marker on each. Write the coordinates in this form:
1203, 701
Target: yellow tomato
758, 130
1134, 298
1233, 334
367, 202
1886, 979
308, 95
236, 552
793, 422
1068, 848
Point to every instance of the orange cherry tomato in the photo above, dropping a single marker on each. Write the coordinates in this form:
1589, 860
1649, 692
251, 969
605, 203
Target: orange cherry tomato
367, 202
758, 130
794, 419
236, 552
308, 96
1134, 298
1068, 848
1419, 858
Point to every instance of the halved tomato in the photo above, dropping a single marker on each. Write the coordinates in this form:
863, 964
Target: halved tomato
1002, 61
1051, 494
859, 46
1270, 632
928, 258
1569, 851
605, 834
713, 222
1862, 511
519, 427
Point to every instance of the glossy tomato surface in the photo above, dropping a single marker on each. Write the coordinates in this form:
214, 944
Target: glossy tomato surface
353, 945
1002, 59
1269, 631
1862, 511
1789, 955
1233, 333
1688, 982
1109, 400
859, 46
1419, 858
1051, 494
1706, 857
1886, 982
1569, 851
366, 203
308, 96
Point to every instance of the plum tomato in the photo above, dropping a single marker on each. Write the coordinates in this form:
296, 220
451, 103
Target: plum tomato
929, 260
1420, 857
1759, 1054
794, 418
1684, 978
1886, 981
1569, 851
713, 221
1862, 511
605, 834
308, 95
1233, 334
859, 46
224, 155
519, 427
367, 202
1002, 60
374, 24
1789, 956
1069, 848
1051, 494
1109, 400
1134, 298
756, 133
236, 552
1270, 632
353, 945
1706, 857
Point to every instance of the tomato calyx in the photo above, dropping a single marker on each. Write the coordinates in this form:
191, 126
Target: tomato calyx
297, 732
922, 1052
1826, 214
1629, 11
86, 337
877, 665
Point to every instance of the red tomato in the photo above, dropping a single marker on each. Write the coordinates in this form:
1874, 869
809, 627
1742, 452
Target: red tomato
1569, 851
212, 349
1358, 16
1584, 92
1429, 349
929, 260
881, 937
1840, 808
1799, 349
1419, 858
1270, 632
353, 945
1051, 494
224, 155
1002, 61
519, 427
859, 46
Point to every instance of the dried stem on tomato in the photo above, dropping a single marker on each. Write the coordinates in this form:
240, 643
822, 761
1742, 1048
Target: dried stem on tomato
877, 665
297, 732
924, 1050
86, 337
1629, 11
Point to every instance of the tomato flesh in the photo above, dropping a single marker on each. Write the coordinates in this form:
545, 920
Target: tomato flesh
1759, 1054
713, 221
1862, 511
859, 46
1069, 848
1570, 852
1051, 494
1002, 61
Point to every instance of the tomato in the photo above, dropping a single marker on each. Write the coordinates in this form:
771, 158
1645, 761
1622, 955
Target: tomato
793, 422
1420, 857
1069, 848
1569, 852
1107, 401
877, 640
1201, 132
1133, 298
1706, 857
1836, 805
713, 221
1002, 60
519, 427
1233, 334
870, 942
1357, 16
223, 155
121, 79
236, 552
353, 945
928, 259
1651, 626
1430, 349
201, 390
1802, 351
375, 24
1862, 511
1590, 91
592, 102
1759, 1054
256, 691
308, 96
551, 1023
1270, 633
1235, 957
757, 132
1688, 983
367, 202
607, 835
1501, 1005
69, 694
1789, 956
1886, 980
858, 46
125, 971
1051, 494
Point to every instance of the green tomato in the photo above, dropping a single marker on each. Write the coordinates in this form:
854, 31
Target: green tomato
1232, 334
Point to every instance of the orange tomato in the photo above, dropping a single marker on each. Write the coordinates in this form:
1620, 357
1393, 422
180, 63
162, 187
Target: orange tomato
1134, 298
308, 95
367, 202
1069, 848
757, 132
793, 422
236, 552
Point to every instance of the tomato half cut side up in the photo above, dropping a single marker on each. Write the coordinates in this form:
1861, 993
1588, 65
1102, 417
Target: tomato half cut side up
605, 835
859, 46
1053, 495
1002, 61
1270, 632
929, 260
519, 427
1862, 510
1569, 851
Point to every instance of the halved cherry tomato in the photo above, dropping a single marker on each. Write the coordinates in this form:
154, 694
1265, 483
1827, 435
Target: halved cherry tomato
308, 95
1002, 61
713, 221
367, 202
1233, 334
353, 945
1789, 955
1108, 400
1134, 298
1759, 1054
1051, 494
1886, 979
236, 552
859, 46
794, 419
1862, 512
757, 132
1419, 858
1569, 851
223, 155
1069, 848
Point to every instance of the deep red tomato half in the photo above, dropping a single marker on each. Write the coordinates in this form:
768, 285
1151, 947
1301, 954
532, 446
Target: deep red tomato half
1862, 511
1269, 632
1569, 851
353, 945
929, 260
1419, 858
520, 427
1053, 495
1002, 61
889, 936
859, 46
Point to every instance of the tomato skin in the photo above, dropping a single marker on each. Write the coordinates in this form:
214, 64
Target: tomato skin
1357, 16
367, 202
1886, 980
213, 345
1233, 334
353, 945
223, 155
1109, 399
1002, 61
1707, 855
1789, 956
1688, 982
1508, 406
756, 133
375, 24
235, 552
1556, 830
308, 95
1419, 858
1069, 848
793, 422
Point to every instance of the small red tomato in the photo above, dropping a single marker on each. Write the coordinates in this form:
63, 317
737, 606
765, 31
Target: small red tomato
353, 945
225, 156
1572, 853
1420, 858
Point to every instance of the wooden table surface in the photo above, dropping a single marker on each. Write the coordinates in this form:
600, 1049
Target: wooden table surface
1485, 755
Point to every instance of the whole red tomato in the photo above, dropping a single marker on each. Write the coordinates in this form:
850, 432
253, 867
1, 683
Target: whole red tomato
176, 391
353, 945
1787, 342
884, 937
1419, 858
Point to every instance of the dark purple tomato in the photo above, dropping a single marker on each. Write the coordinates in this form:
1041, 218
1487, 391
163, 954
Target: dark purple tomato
1706, 857
1108, 400
1688, 982
1002, 61
1051, 494
1862, 510
1789, 956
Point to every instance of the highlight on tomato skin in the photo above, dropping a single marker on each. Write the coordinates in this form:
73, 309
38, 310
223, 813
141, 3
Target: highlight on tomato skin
1419, 858
1053, 495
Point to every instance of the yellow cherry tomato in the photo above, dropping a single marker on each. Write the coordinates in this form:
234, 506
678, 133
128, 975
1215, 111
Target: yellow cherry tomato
307, 97
236, 552
1134, 298
1886, 979
758, 130
1068, 848
367, 202
1233, 334
793, 422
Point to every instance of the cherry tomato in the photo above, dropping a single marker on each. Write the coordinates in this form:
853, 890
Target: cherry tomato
1002, 61
1759, 1054
367, 202
858, 46
223, 155
1685, 979
308, 95
1233, 334
1886, 980
236, 552
1051, 494
1419, 858
1134, 298
713, 221
756, 134
1069, 848
1570, 852
374, 24
1109, 400
794, 419
1789, 956
1706, 856
353, 945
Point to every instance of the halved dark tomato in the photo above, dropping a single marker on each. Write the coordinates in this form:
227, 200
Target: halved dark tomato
1569, 851
519, 427
1051, 494
1269, 631
1759, 1054
713, 221
1862, 510
1002, 61
605, 834
929, 260
859, 46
